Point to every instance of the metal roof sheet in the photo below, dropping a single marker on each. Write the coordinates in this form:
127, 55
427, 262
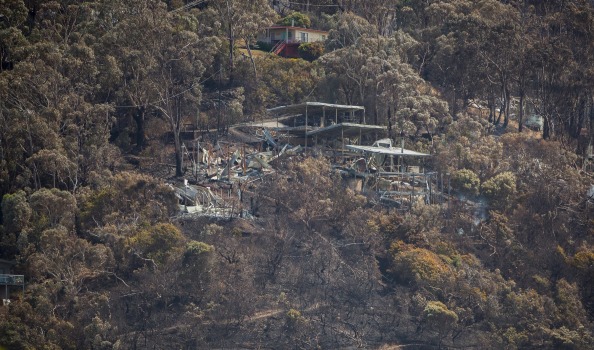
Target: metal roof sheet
313, 107
395, 151
346, 129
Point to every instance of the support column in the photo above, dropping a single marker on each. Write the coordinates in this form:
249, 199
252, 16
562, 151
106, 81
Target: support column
342, 138
412, 198
430, 188
306, 120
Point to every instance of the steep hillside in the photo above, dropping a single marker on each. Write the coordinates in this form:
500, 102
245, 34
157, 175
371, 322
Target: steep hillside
150, 201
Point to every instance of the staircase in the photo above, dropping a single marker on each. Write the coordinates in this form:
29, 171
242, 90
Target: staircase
279, 47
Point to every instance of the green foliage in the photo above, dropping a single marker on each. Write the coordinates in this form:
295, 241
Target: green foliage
418, 265
14, 13
570, 309
499, 228
198, 248
438, 314
54, 206
296, 19
212, 229
293, 314
157, 242
515, 339
347, 29
541, 281
264, 46
287, 81
311, 51
71, 260
565, 338
468, 147
294, 319
196, 255
500, 189
95, 334
16, 212
583, 260
19, 327
127, 199
466, 181
373, 73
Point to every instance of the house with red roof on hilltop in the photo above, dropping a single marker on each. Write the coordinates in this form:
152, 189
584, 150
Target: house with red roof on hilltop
285, 40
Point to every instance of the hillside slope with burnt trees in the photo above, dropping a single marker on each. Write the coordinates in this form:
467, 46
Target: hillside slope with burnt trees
95, 98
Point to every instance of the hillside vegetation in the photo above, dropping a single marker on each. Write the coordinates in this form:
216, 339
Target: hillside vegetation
94, 97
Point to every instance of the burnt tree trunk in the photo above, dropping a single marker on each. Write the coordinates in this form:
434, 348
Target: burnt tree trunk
178, 151
139, 118
506, 104
231, 45
546, 127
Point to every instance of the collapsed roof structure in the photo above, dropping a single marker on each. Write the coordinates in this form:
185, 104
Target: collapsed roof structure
395, 174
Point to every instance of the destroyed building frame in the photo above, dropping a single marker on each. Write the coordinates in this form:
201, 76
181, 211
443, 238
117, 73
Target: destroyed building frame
370, 164
397, 185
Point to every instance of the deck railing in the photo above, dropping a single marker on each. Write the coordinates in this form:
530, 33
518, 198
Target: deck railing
12, 280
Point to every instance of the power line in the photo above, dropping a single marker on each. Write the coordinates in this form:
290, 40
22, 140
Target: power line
179, 93
188, 5
307, 4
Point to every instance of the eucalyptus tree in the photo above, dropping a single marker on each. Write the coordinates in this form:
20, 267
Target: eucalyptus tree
12, 40
57, 133
500, 48
372, 70
240, 20
455, 64
157, 60
347, 29
561, 80
183, 59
